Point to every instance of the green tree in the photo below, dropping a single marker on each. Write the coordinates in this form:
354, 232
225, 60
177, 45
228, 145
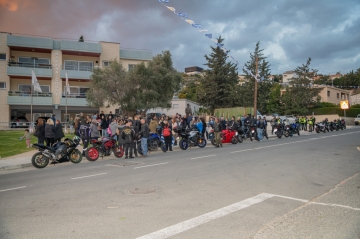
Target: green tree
189, 92
218, 85
300, 95
146, 86
264, 86
274, 105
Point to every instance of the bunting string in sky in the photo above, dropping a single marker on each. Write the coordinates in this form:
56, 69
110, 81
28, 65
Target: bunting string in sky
184, 16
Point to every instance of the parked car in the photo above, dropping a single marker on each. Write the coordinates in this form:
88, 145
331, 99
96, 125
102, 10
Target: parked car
269, 117
290, 118
357, 120
19, 122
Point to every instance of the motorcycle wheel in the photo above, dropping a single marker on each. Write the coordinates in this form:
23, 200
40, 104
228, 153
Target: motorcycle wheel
139, 149
163, 147
234, 140
213, 141
240, 139
317, 131
201, 143
183, 144
286, 134
118, 151
211, 135
337, 129
279, 135
92, 154
344, 126
75, 156
39, 161
291, 134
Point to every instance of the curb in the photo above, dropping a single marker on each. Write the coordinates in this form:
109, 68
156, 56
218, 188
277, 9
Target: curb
18, 166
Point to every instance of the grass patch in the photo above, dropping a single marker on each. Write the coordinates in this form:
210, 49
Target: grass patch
11, 145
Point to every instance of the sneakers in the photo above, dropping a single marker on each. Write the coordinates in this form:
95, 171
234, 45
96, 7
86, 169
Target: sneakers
126, 157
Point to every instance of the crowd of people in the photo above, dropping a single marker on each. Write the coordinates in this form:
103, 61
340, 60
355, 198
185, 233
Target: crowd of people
127, 130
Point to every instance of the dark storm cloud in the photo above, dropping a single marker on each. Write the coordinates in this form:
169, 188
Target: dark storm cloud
289, 31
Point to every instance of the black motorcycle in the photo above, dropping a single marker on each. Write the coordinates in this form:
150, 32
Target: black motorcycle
279, 131
60, 151
333, 126
245, 133
342, 124
190, 137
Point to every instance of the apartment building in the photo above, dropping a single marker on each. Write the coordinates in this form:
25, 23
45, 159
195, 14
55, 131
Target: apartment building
51, 59
333, 94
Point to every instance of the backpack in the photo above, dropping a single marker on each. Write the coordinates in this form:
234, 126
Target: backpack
108, 130
166, 132
84, 131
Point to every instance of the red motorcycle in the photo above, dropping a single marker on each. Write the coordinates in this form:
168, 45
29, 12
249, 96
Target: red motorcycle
103, 147
228, 135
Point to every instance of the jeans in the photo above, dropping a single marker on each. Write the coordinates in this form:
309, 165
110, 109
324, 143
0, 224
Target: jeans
103, 133
144, 146
71, 128
260, 133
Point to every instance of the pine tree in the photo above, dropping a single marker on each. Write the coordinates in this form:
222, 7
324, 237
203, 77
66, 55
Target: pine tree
217, 88
264, 86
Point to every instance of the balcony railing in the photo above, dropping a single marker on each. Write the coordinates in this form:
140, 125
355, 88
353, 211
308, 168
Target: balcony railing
74, 95
77, 68
29, 65
28, 94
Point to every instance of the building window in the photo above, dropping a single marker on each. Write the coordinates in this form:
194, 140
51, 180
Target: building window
131, 66
33, 62
76, 92
175, 106
106, 63
78, 65
2, 56
27, 88
337, 95
328, 93
3, 85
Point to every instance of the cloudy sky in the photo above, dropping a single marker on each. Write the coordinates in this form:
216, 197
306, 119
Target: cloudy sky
289, 31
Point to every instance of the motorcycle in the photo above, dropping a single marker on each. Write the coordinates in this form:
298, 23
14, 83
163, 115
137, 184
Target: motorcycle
334, 126
244, 134
294, 129
228, 136
278, 131
103, 147
342, 124
287, 131
190, 138
320, 127
155, 141
59, 151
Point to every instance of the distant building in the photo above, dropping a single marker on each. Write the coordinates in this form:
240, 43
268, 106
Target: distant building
177, 106
193, 70
355, 99
288, 75
333, 94
337, 75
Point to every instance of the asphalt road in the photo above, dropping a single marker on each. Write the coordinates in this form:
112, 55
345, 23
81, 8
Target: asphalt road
299, 187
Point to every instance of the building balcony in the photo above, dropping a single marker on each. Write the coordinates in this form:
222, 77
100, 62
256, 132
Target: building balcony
29, 42
24, 98
76, 72
86, 47
74, 99
24, 69
133, 54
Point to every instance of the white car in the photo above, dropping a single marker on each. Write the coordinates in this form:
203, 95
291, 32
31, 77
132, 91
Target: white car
290, 118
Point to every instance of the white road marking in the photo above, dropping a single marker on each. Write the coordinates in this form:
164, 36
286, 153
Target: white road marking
151, 165
295, 199
204, 157
335, 205
276, 145
90, 176
12, 189
197, 221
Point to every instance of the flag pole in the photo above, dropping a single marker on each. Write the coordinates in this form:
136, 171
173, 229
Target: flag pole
66, 110
31, 106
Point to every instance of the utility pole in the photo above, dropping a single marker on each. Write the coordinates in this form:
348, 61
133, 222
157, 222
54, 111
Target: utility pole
255, 88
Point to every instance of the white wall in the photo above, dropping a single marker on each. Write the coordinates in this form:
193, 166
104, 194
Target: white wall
180, 103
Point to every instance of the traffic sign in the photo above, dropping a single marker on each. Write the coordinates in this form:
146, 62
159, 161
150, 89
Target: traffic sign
344, 104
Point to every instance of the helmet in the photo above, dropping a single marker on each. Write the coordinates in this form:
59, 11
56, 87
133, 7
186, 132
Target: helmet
76, 140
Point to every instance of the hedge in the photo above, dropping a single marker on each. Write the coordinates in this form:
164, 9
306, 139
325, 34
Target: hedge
352, 112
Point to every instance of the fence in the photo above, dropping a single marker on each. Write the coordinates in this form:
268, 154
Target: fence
21, 126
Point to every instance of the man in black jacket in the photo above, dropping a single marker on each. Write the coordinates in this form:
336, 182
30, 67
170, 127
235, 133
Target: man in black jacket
128, 135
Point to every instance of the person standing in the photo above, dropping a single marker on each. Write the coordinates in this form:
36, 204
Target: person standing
113, 127
77, 126
273, 123
94, 130
137, 128
27, 136
103, 125
153, 125
71, 125
58, 132
260, 128
40, 131
85, 134
204, 128
174, 125
217, 130
311, 124
166, 132
144, 132
49, 132
82, 119
128, 135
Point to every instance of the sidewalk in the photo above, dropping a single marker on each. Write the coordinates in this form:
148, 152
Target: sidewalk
24, 160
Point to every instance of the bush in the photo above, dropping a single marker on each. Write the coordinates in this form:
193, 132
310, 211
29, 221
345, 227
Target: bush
324, 105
